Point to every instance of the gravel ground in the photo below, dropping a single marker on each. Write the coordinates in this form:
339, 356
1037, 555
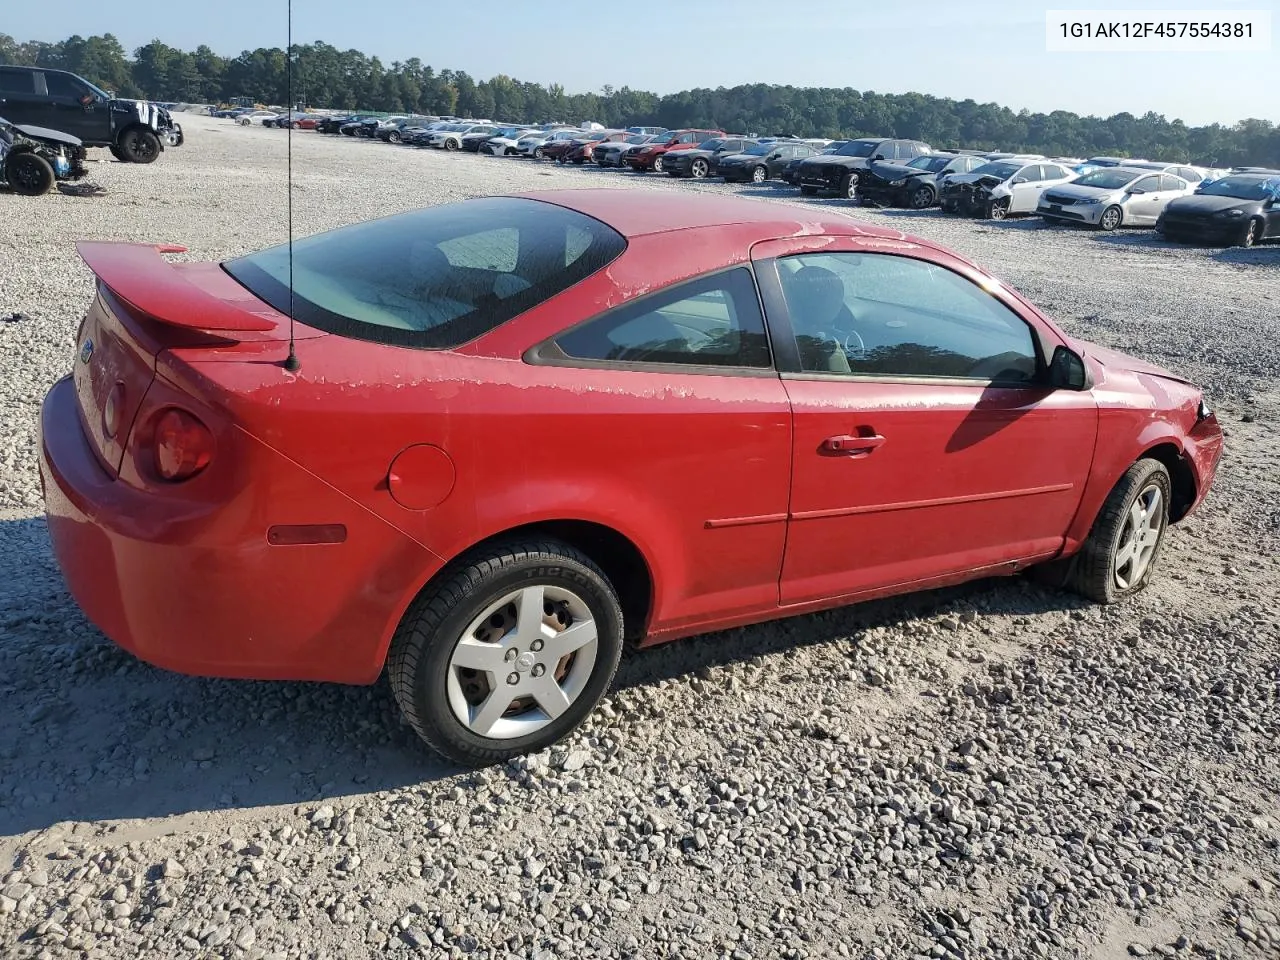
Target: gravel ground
993, 771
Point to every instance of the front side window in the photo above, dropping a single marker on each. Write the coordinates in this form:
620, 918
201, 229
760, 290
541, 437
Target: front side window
1147, 185
432, 278
878, 315
61, 85
712, 321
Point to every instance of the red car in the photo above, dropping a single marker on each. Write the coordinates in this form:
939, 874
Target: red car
502, 435
650, 157
582, 150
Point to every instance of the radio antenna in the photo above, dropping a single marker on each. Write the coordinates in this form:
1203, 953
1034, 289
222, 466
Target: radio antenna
291, 362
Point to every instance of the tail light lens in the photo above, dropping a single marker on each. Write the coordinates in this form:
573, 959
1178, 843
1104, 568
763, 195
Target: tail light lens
183, 445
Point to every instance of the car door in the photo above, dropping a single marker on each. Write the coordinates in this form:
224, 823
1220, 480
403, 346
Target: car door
1144, 201
18, 101
1171, 187
1025, 188
75, 108
688, 414
926, 443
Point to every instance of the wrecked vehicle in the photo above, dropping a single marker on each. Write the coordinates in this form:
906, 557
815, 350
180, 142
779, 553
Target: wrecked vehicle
1003, 187
913, 184
32, 159
839, 172
135, 131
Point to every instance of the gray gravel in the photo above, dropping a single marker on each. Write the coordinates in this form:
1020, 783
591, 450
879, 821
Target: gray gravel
992, 771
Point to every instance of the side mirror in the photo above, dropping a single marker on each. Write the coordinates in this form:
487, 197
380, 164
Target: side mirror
1067, 370
1135, 190
878, 156
86, 100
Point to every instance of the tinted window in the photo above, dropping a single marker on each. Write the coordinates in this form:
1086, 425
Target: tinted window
713, 321
62, 85
436, 277
878, 315
17, 81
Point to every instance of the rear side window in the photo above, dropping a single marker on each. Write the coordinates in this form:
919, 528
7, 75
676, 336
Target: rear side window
712, 321
17, 81
433, 278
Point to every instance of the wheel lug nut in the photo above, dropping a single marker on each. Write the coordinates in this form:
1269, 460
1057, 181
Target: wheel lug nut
539, 670
513, 678
536, 646
511, 654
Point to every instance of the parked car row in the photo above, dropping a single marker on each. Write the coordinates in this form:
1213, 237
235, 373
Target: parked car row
1182, 201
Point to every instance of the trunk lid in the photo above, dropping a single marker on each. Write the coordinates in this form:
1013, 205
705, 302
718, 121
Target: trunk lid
144, 306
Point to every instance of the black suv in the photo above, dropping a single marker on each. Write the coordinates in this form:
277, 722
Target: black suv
135, 131
839, 172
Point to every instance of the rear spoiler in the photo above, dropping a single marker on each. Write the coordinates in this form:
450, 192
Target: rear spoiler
138, 274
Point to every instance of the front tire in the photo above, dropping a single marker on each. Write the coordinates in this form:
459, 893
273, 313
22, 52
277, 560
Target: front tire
921, 198
849, 186
538, 153
29, 174
658, 165
997, 209
1252, 234
699, 168
1111, 218
140, 145
507, 653
1124, 545
451, 144
759, 174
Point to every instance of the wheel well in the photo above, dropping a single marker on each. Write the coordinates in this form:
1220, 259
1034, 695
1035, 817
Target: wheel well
619, 558
137, 125
1183, 480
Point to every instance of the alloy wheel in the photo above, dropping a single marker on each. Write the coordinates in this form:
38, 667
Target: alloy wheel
1110, 219
522, 662
759, 175
1139, 537
699, 169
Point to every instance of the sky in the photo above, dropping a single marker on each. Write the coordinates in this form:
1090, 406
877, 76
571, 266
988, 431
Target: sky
989, 50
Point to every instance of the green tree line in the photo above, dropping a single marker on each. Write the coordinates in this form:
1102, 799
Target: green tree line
325, 76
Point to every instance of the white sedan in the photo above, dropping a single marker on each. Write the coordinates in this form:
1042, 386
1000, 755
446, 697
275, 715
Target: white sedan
1114, 197
1002, 187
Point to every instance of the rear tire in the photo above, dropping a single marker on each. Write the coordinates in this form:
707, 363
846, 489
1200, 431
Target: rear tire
428, 683
1100, 571
699, 169
29, 174
759, 174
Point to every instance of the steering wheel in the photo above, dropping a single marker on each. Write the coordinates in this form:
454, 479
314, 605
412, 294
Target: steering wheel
854, 353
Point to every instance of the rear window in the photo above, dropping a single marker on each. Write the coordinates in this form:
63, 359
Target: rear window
433, 278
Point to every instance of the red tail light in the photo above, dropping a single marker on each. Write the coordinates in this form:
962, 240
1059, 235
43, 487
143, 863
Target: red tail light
183, 445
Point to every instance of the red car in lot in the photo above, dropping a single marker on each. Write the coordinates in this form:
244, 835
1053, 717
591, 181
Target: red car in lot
512, 431
650, 157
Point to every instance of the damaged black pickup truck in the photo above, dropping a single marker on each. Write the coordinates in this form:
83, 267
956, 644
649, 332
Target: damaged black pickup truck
135, 131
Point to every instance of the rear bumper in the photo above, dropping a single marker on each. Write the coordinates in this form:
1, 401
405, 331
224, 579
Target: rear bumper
193, 586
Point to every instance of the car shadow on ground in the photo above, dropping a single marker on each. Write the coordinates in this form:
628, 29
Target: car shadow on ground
94, 734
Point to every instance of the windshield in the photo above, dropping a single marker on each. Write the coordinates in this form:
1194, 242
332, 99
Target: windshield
1107, 178
639, 138
1243, 188
435, 277
1002, 170
858, 148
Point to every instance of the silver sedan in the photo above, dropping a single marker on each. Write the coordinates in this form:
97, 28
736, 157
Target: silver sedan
1113, 197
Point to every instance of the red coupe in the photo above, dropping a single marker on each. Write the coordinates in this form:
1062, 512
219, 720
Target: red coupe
513, 431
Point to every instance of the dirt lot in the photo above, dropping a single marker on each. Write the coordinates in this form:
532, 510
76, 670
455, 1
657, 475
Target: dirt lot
993, 771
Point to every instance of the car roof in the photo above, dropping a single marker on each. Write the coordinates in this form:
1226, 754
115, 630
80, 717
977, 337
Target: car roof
637, 212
